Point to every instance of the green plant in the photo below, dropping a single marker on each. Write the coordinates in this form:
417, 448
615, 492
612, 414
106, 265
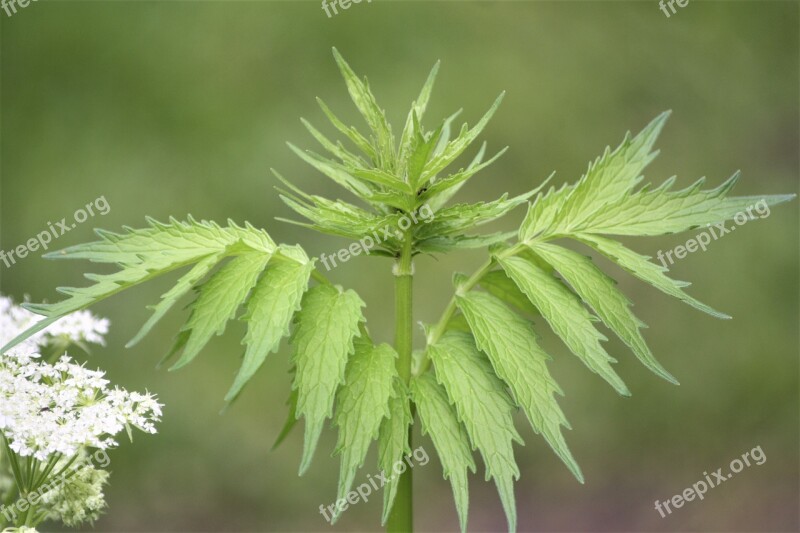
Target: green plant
482, 359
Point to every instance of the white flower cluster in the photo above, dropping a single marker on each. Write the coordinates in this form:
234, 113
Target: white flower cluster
61, 408
77, 327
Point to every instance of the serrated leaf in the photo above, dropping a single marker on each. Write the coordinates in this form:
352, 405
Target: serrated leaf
291, 420
326, 326
566, 316
440, 421
456, 147
662, 210
335, 171
458, 179
417, 111
457, 217
274, 301
498, 284
335, 149
600, 292
197, 273
350, 132
368, 107
393, 442
420, 152
613, 175
483, 406
521, 363
143, 254
642, 268
449, 243
217, 302
361, 406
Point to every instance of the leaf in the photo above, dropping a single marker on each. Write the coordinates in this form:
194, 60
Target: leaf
273, 303
368, 107
660, 211
521, 363
483, 406
143, 254
457, 146
420, 152
326, 325
393, 443
461, 242
350, 132
362, 404
338, 173
217, 302
291, 420
197, 273
600, 292
335, 149
417, 111
440, 421
566, 316
639, 266
460, 216
499, 285
613, 175
458, 179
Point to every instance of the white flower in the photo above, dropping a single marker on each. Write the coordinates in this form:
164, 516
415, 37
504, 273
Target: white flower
61, 408
81, 326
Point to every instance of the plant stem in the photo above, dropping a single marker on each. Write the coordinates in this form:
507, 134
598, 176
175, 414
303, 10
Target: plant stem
438, 330
401, 519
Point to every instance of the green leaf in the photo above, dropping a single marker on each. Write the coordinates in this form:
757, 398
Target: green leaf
368, 107
194, 276
420, 152
613, 175
393, 443
460, 216
483, 406
449, 243
326, 325
440, 421
361, 406
381, 177
566, 316
417, 111
521, 363
273, 303
338, 173
456, 147
662, 210
217, 302
291, 420
498, 284
143, 254
335, 149
458, 179
649, 272
350, 132
600, 292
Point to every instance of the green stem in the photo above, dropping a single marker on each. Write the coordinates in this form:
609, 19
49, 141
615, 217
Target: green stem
436, 332
401, 518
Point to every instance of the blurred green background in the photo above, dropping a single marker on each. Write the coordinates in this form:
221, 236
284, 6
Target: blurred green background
182, 107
